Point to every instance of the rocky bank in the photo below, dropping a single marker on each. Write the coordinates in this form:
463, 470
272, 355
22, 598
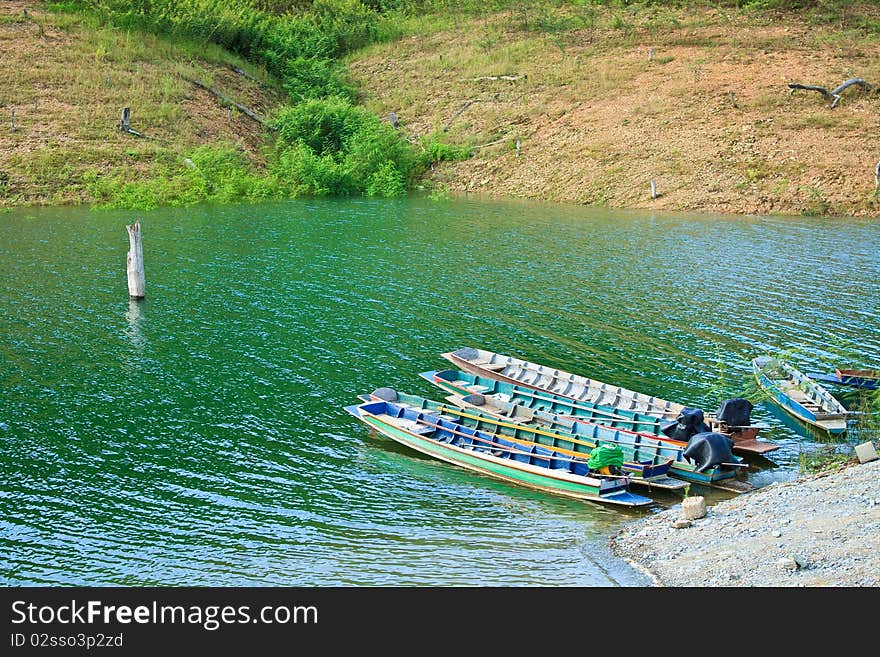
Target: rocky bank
819, 530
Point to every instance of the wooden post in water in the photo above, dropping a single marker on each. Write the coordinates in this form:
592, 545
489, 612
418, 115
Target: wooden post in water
135, 262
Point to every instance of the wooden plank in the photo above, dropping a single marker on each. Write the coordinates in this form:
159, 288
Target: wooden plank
754, 446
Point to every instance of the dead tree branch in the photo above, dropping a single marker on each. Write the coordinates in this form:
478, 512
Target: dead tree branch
810, 87
228, 101
510, 78
461, 109
493, 143
835, 94
245, 74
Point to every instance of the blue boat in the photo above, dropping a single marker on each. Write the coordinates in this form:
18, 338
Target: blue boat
466, 383
533, 466
647, 462
865, 379
799, 395
587, 421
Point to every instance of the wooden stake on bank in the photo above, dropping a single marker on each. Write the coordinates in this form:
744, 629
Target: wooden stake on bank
135, 262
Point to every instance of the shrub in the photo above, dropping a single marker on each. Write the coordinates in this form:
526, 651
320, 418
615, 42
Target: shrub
330, 146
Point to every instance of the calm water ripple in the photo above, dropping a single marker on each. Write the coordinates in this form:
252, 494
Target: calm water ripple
198, 437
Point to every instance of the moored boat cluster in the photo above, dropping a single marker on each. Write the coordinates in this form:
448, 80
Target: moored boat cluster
564, 433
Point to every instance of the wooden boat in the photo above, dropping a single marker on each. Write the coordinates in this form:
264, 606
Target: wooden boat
866, 379
647, 462
859, 378
465, 383
799, 395
525, 406
539, 377
534, 466
580, 388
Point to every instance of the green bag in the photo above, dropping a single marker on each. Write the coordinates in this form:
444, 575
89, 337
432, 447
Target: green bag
605, 455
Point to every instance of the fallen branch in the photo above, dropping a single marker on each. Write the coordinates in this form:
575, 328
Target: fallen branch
241, 72
241, 108
511, 78
810, 87
493, 143
461, 109
245, 74
835, 94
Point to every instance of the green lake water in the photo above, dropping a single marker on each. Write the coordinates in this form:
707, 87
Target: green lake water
199, 438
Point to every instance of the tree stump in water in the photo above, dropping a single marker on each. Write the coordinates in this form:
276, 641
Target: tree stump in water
135, 262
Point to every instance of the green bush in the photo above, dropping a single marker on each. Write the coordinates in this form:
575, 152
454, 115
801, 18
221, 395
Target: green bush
329, 146
306, 78
219, 174
326, 145
434, 149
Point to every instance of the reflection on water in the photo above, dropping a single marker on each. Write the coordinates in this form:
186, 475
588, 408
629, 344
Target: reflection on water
198, 437
134, 316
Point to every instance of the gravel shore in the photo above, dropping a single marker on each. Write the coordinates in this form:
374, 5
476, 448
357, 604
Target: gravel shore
818, 530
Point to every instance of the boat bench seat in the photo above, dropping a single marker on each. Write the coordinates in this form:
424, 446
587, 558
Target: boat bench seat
486, 365
419, 429
411, 426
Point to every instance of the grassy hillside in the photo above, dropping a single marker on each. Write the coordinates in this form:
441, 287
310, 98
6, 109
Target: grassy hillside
67, 78
588, 104
584, 101
106, 54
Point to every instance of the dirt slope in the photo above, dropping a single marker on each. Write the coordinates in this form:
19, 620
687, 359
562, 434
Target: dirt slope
698, 102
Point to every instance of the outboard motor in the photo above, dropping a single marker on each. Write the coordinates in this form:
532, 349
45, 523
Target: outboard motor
689, 422
476, 399
709, 449
385, 394
735, 412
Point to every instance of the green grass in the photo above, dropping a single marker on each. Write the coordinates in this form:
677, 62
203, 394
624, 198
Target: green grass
826, 458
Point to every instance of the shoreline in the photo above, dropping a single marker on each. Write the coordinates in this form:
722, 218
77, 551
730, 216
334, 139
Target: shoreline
818, 530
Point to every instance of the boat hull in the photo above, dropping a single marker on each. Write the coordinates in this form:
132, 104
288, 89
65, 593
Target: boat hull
581, 488
539, 378
828, 414
551, 404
